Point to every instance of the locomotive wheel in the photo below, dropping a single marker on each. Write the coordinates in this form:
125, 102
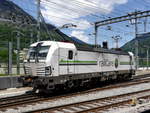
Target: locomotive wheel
70, 84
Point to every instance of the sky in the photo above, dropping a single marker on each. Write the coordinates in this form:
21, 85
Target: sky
83, 13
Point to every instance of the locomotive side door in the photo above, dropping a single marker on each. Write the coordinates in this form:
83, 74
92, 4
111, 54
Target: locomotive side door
70, 62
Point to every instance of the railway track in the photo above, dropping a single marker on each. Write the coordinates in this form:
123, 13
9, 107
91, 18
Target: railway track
14, 102
141, 76
97, 105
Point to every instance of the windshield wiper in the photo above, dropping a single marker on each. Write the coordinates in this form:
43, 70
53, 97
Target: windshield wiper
37, 51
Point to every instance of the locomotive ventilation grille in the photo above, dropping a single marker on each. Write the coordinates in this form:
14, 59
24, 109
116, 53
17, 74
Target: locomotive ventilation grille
35, 70
40, 71
27, 70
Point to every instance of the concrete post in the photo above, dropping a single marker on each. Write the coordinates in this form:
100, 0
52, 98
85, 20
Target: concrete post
10, 59
18, 53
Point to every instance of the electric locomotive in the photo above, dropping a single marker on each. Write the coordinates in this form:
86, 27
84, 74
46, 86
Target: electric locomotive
51, 65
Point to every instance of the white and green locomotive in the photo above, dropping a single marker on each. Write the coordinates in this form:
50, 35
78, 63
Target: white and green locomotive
50, 65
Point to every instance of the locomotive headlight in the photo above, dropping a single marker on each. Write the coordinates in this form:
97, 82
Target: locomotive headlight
48, 71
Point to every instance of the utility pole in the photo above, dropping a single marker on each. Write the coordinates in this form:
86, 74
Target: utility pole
10, 62
135, 23
145, 24
116, 39
147, 52
10, 45
147, 58
18, 53
136, 42
10, 58
31, 37
18, 34
96, 29
128, 17
38, 19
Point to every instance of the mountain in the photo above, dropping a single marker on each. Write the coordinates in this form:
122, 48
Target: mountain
143, 40
11, 11
78, 41
25, 22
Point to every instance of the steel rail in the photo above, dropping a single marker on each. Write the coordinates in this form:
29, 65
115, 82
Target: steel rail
18, 101
93, 105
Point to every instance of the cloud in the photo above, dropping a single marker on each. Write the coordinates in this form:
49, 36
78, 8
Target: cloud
80, 35
147, 1
60, 12
82, 24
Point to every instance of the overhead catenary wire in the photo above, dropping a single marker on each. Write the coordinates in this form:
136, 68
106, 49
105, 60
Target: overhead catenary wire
58, 17
79, 4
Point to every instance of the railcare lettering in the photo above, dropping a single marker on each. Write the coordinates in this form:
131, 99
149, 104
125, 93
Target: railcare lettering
106, 62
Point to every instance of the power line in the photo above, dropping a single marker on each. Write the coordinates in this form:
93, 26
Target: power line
135, 15
123, 18
38, 19
79, 4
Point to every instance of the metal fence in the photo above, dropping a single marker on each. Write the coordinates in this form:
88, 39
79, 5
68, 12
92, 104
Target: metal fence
144, 62
4, 69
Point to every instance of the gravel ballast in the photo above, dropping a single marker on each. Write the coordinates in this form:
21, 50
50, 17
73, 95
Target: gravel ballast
82, 97
13, 92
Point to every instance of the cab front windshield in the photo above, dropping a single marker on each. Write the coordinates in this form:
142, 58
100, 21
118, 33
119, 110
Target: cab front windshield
39, 53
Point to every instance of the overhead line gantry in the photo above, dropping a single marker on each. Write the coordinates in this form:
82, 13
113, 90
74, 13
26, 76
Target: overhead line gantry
131, 16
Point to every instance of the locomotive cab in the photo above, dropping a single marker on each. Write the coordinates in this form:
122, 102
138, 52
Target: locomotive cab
43, 62
35, 63
44, 58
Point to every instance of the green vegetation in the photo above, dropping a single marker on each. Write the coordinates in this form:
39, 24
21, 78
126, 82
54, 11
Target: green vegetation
3, 74
143, 41
29, 35
11, 11
9, 75
8, 33
143, 63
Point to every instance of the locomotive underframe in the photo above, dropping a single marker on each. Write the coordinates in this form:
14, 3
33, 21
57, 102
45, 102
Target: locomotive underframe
74, 80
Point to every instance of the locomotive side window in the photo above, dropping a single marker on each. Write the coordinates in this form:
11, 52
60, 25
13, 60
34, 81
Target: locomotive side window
70, 54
